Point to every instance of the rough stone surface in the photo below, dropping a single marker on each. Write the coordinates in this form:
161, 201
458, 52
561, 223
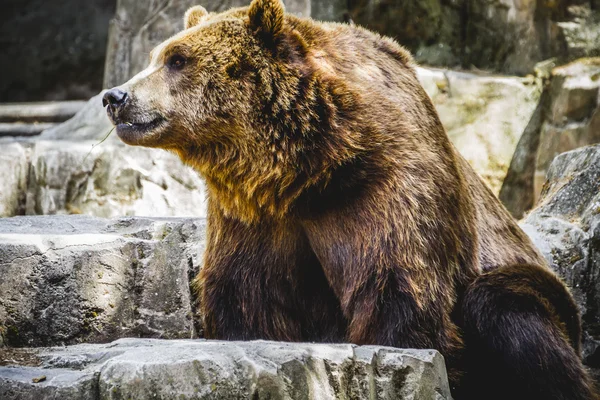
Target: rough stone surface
568, 118
113, 180
67, 170
53, 50
191, 369
329, 10
13, 179
58, 384
90, 123
483, 115
565, 226
68, 279
581, 31
517, 192
513, 35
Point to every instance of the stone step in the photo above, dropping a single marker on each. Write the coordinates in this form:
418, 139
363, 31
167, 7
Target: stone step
54, 111
194, 369
24, 129
67, 279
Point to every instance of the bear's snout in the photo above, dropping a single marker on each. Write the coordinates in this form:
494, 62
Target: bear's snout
114, 98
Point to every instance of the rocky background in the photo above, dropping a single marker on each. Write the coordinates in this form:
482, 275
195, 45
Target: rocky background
56, 50
99, 241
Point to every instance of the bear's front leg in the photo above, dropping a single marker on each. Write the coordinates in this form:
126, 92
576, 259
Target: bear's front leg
397, 275
260, 280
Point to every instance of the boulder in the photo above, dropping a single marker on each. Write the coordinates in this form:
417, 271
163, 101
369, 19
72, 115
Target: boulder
110, 180
568, 118
89, 123
565, 226
517, 192
192, 369
484, 116
72, 279
329, 10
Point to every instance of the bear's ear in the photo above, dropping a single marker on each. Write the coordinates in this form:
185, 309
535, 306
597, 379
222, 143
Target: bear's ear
266, 17
193, 16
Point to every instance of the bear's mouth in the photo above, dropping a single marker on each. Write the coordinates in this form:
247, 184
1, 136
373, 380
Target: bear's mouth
132, 132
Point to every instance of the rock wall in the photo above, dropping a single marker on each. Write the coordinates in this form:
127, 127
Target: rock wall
138, 26
567, 117
484, 116
509, 36
53, 50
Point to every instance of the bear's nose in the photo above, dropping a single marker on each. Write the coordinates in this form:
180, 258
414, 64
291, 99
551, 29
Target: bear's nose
115, 97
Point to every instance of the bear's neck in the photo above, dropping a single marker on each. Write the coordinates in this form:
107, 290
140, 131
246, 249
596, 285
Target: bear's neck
302, 140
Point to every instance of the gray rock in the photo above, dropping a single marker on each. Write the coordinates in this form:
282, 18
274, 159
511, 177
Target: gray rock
89, 123
512, 35
568, 117
300, 8
329, 10
109, 180
517, 192
16, 129
581, 31
57, 384
501, 35
68, 279
420, 25
190, 369
55, 111
53, 50
484, 116
565, 226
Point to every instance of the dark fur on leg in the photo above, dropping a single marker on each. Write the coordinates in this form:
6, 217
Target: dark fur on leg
522, 334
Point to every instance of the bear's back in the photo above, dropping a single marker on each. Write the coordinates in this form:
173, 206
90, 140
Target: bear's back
382, 73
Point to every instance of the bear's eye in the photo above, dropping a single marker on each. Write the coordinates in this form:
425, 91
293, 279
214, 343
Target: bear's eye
176, 61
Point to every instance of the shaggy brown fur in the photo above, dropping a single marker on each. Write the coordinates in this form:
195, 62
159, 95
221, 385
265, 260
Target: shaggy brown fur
338, 208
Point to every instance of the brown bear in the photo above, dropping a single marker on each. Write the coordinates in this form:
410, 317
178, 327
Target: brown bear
338, 208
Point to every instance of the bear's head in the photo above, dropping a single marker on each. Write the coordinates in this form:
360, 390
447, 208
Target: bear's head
205, 83
263, 104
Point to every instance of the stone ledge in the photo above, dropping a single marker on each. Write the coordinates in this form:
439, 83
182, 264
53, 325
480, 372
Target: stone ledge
193, 369
72, 279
